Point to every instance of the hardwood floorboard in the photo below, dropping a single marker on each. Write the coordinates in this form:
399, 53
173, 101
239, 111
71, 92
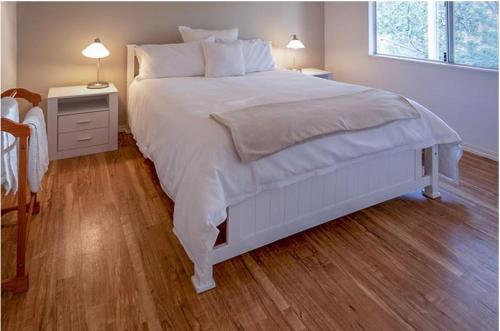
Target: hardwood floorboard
102, 256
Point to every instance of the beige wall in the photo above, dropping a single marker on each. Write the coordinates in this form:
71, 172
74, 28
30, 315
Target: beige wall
51, 36
467, 99
9, 45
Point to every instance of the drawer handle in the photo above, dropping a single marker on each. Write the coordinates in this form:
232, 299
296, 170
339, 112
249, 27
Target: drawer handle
84, 122
84, 139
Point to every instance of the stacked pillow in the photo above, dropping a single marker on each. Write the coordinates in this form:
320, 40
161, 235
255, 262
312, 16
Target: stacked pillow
212, 53
224, 59
189, 34
237, 58
258, 56
171, 60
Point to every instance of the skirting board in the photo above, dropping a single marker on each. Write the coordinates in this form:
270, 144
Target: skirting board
124, 128
480, 152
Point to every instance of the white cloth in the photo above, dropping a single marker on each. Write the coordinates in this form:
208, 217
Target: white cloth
196, 161
266, 129
38, 156
10, 110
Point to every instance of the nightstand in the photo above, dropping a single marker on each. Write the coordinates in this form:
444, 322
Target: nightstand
317, 73
82, 121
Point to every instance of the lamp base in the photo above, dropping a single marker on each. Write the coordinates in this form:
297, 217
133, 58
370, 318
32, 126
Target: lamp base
97, 85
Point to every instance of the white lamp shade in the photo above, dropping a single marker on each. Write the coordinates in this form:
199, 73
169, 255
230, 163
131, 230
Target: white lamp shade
96, 50
295, 43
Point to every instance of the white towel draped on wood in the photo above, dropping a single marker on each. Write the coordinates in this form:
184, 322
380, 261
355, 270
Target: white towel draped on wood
10, 110
38, 157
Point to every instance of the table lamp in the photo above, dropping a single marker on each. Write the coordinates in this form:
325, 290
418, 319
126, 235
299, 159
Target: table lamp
294, 44
96, 50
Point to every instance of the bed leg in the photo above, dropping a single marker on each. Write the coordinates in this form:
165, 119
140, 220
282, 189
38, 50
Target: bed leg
202, 281
431, 168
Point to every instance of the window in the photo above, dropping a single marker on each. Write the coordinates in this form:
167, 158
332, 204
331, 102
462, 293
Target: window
475, 33
457, 32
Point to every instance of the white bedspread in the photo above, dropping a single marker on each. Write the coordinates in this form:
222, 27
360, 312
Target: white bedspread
197, 163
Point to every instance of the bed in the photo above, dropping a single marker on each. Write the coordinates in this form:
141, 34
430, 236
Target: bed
302, 186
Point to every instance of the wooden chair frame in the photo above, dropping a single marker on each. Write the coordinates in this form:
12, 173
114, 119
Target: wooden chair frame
24, 210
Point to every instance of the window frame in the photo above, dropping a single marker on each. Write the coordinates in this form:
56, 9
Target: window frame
450, 32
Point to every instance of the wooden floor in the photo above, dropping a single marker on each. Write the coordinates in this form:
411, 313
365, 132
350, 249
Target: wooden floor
102, 256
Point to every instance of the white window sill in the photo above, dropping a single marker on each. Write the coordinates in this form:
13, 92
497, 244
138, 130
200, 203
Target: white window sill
438, 63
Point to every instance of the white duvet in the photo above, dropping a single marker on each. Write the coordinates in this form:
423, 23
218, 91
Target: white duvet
196, 161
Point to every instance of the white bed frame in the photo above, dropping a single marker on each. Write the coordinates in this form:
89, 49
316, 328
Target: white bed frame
276, 214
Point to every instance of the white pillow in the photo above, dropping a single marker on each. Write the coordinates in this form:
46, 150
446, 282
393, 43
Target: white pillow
258, 56
223, 59
189, 34
171, 60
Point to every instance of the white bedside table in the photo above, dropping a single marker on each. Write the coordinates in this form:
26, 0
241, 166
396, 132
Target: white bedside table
317, 73
82, 121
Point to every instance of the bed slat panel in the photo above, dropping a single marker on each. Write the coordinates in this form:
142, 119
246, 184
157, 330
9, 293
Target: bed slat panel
277, 213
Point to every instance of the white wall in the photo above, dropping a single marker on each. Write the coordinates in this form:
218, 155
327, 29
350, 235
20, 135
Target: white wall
9, 45
466, 99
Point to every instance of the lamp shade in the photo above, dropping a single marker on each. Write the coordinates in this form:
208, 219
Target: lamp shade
96, 50
295, 43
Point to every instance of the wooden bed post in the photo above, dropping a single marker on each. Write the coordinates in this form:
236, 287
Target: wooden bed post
131, 70
130, 66
203, 281
431, 168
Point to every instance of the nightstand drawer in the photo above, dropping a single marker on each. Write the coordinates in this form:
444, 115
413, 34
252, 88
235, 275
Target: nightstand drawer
86, 121
85, 138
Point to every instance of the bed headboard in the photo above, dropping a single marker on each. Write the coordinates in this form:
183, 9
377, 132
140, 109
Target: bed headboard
131, 64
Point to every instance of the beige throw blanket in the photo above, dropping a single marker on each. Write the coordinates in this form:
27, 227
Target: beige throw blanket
262, 130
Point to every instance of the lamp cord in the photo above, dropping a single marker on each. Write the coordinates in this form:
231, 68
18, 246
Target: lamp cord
98, 68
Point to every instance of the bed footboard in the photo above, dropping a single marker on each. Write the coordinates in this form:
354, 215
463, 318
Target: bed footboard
275, 214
